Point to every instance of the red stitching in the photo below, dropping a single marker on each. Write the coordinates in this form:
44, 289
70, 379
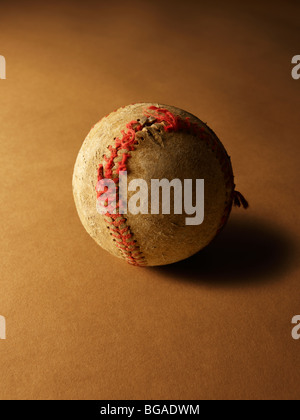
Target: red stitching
121, 234
171, 123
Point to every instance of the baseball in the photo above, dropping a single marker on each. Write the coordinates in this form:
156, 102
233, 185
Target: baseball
153, 184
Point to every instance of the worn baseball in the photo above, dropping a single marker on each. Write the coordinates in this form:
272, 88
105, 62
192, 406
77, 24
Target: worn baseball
150, 142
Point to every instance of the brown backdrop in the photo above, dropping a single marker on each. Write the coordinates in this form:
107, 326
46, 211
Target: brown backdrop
82, 324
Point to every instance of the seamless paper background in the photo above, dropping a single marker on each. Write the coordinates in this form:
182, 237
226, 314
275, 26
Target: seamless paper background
81, 324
